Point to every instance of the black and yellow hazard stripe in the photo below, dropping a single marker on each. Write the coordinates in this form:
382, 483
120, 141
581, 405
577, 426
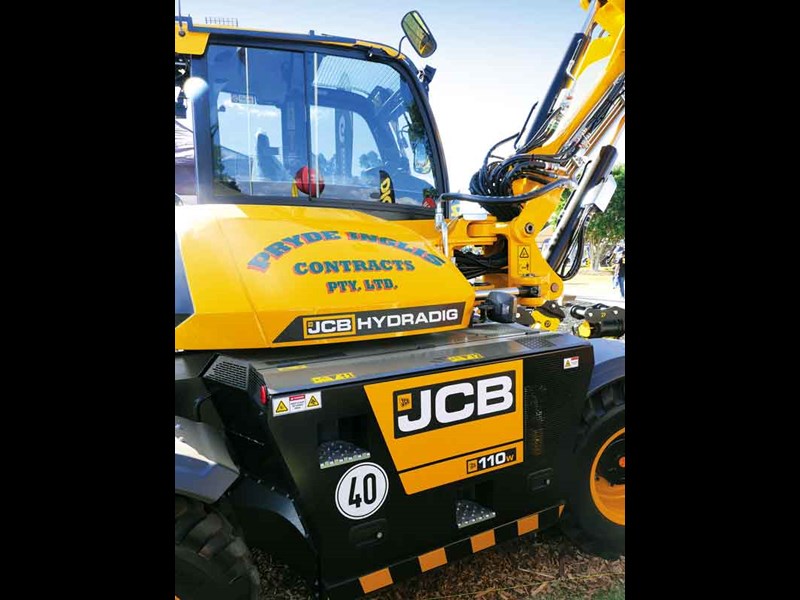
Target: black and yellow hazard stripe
441, 556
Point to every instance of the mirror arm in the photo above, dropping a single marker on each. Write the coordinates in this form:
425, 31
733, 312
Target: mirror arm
400, 44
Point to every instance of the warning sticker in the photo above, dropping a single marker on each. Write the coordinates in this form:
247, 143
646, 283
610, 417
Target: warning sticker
292, 368
243, 99
571, 362
334, 377
463, 357
296, 403
523, 260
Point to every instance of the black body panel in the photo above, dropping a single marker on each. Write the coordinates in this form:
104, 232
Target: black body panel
283, 449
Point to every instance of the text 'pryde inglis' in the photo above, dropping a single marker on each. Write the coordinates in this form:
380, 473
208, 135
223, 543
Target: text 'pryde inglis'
260, 262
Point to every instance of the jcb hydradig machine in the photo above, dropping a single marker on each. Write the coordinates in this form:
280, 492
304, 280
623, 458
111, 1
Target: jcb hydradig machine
365, 387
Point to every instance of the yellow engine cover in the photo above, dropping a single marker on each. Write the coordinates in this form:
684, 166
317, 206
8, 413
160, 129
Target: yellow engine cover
266, 276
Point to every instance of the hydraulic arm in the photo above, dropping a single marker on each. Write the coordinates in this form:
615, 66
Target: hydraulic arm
560, 146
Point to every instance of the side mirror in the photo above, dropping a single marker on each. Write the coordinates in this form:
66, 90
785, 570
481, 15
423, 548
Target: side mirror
422, 160
418, 34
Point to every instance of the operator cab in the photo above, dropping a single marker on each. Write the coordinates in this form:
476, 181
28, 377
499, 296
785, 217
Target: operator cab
267, 118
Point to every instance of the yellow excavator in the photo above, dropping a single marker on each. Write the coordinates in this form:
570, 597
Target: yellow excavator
367, 386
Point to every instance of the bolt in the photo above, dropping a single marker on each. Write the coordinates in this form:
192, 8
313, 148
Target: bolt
553, 287
379, 535
529, 228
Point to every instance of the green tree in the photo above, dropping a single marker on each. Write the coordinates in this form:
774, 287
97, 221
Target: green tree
607, 229
562, 202
369, 160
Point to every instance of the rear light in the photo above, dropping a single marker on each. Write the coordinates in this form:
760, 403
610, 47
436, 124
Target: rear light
263, 392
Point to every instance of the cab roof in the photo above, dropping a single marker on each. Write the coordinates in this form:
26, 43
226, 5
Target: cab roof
192, 39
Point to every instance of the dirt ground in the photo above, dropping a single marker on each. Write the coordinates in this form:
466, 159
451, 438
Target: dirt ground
546, 567
594, 286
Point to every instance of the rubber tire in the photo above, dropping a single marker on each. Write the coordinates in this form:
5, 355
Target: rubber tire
603, 416
211, 562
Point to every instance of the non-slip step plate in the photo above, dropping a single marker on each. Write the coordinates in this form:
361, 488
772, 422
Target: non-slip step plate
337, 452
469, 512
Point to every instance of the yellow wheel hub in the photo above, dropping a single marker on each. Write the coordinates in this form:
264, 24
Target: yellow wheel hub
609, 499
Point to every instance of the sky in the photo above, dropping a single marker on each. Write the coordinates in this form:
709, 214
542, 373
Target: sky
493, 59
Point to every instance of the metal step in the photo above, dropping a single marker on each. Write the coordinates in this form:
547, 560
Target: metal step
337, 452
469, 512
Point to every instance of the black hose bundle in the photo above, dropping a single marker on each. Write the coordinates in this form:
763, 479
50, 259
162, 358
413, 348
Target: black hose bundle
495, 178
574, 257
474, 265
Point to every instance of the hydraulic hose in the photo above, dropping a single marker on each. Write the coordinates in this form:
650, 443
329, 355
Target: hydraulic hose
558, 183
572, 216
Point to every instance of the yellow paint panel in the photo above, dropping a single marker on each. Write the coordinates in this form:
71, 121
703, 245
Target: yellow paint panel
527, 524
440, 444
375, 581
193, 42
598, 48
220, 330
238, 305
432, 559
482, 540
449, 471
614, 68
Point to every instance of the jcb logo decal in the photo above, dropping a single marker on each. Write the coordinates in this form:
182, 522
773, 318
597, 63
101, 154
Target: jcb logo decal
422, 409
403, 402
432, 423
329, 326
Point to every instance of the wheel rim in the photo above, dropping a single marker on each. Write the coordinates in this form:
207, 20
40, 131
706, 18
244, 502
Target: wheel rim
609, 498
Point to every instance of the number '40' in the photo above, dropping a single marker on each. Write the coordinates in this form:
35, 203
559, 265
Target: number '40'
369, 489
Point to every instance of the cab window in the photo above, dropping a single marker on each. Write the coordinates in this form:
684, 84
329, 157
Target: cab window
258, 119
283, 119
